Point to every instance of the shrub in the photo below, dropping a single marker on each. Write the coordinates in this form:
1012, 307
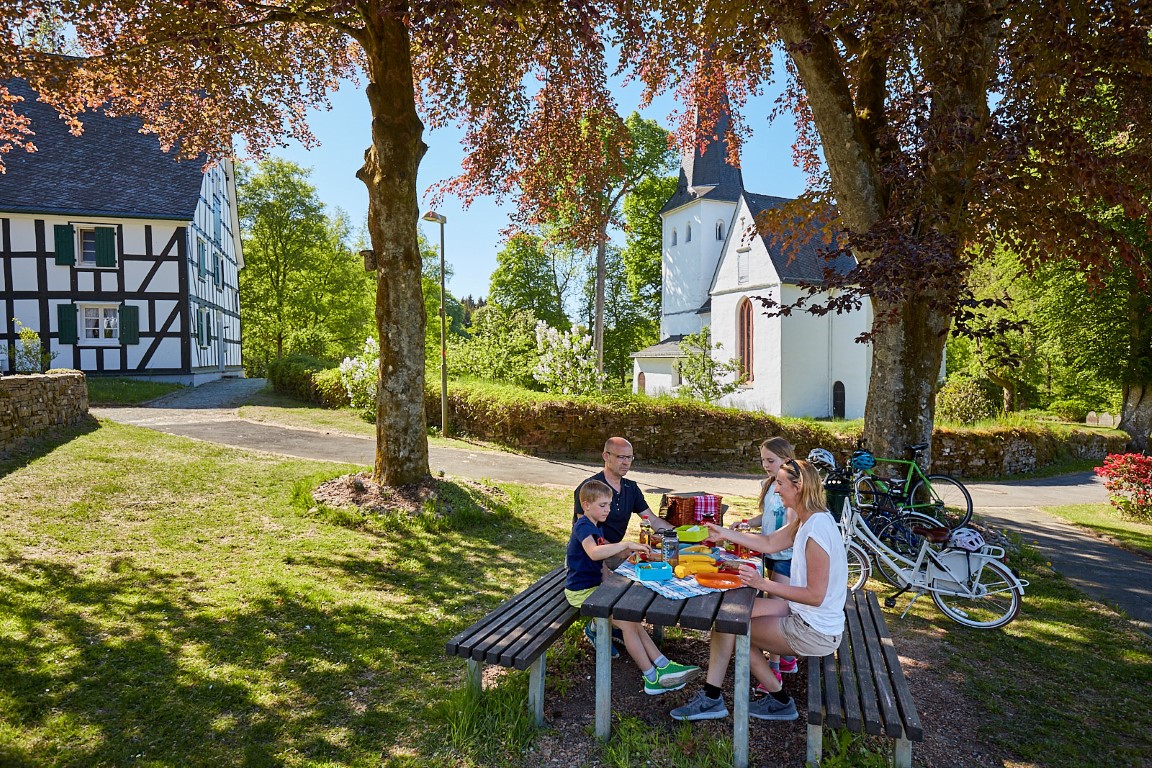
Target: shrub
359, 375
1128, 478
293, 375
567, 362
1069, 409
329, 387
963, 401
29, 355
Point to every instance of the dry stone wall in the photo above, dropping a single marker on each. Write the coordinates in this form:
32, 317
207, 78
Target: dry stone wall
33, 404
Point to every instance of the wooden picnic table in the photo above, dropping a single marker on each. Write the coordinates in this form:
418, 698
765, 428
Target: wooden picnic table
729, 612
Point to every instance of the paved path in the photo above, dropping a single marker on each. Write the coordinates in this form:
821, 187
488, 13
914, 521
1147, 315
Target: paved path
1103, 571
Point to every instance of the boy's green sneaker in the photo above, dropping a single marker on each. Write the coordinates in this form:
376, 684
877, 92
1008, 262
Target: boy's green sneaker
659, 685
675, 676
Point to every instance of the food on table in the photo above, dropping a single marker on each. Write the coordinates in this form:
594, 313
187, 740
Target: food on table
685, 570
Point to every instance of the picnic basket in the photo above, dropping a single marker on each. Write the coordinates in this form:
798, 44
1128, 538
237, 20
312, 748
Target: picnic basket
684, 510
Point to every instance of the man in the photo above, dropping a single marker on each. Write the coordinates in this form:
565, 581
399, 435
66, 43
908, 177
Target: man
627, 498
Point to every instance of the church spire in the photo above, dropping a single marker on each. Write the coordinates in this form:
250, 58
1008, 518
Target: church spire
705, 172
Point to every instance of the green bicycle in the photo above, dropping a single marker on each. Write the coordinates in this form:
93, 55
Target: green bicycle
941, 497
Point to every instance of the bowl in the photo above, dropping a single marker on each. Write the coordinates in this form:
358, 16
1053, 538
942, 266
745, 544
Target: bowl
692, 533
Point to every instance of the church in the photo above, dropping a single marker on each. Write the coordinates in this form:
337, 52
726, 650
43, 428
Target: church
716, 261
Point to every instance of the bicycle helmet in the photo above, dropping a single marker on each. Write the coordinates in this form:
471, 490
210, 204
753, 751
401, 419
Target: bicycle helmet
966, 539
862, 459
822, 459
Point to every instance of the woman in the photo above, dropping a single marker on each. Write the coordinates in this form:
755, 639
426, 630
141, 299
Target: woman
804, 617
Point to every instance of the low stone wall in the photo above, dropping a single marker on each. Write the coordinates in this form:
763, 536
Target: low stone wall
33, 404
1016, 451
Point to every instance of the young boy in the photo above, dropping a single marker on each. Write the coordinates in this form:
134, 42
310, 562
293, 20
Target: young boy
586, 550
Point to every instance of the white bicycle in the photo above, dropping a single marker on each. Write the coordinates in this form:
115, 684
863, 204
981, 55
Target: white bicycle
975, 589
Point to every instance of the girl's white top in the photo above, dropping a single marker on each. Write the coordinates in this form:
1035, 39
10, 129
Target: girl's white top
828, 617
773, 520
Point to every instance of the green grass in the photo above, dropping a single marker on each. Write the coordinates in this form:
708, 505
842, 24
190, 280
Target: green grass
1105, 520
167, 602
102, 391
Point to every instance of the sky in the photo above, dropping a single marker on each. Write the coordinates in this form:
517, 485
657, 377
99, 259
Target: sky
472, 235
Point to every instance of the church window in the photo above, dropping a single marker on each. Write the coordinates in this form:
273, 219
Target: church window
640, 383
744, 340
719, 230
688, 233
673, 237
838, 409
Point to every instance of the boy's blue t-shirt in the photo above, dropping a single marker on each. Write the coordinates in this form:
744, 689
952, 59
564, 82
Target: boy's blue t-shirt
583, 571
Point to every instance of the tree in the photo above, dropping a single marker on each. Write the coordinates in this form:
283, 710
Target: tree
702, 377
942, 126
644, 241
300, 275
534, 276
502, 347
627, 323
199, 73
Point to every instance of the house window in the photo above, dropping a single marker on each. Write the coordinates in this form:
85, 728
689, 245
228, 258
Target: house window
673, 236
745, 339
217, 268
217, 220
87, 246
101, 324
203, 327
676, 380
688, 233
95, 246
719, 230
201, 257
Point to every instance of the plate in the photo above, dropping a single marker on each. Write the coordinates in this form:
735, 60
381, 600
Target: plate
692, 533
718, 580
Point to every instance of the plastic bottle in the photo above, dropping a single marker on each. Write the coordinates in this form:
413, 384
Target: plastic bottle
741, 550
655, 541
646, 533
671, 548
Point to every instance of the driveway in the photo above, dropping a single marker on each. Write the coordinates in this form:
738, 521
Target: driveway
1105, 572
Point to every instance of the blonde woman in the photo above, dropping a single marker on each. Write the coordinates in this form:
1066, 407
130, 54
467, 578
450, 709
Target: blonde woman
804, 617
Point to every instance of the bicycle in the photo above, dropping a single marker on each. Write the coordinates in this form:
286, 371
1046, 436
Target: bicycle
942, 498
974, 589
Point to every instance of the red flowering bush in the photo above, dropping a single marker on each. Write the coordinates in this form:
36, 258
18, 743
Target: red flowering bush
1128, 478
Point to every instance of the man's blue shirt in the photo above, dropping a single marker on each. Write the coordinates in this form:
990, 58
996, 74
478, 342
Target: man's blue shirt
629, 501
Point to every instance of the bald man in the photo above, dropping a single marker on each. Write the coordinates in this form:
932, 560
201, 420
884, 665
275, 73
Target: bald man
627, 498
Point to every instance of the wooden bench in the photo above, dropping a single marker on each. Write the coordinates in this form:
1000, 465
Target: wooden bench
861, 686
518, 634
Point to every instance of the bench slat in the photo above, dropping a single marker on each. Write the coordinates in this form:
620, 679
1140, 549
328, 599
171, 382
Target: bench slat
515, 622
855, 678
531, 644
913, 731
461, 644
833, 710
521, 630
634, 603
870, 612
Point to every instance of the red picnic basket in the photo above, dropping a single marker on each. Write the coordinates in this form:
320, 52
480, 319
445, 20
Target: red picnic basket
692, 509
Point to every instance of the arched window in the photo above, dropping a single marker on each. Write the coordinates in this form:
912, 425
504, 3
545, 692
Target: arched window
838, 400
719, 230
673, 237
744, 340
640, 383
688, 233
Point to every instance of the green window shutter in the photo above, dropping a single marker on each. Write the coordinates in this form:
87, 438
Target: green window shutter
129, 324
105, 247
65, 244
66, 320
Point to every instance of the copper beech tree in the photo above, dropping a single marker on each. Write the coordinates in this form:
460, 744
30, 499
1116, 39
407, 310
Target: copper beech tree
943, 127
199, 72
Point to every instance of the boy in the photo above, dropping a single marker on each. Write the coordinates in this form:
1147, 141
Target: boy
586, 550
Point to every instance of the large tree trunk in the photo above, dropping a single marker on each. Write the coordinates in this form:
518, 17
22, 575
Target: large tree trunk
1136, 416
389, 172
1136, 412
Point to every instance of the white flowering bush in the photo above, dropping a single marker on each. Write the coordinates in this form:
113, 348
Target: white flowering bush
359, 375
567, 362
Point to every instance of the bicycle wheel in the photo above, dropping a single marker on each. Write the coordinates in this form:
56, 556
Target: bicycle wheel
944, 498
997, 602
859, 567
897, 535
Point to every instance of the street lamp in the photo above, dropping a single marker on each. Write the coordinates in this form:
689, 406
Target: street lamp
442, 220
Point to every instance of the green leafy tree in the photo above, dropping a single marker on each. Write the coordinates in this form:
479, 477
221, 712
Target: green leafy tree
644, 240
534, 276
502, 347
628, 325
301, 279
701, 375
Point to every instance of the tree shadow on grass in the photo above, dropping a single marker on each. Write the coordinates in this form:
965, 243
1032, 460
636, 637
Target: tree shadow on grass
27, 450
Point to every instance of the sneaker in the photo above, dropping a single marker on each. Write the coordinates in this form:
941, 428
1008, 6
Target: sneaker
658, 686
768, 708
700, 707
677, 675
759, 687
590, 633
788, 665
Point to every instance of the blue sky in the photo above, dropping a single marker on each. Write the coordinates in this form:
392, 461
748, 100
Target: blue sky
472, 235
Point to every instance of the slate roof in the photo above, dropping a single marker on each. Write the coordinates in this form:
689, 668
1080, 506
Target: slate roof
110, 170
800, 261
708, 168
669, 347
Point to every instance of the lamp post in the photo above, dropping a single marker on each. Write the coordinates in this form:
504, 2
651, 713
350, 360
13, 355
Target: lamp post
442, 220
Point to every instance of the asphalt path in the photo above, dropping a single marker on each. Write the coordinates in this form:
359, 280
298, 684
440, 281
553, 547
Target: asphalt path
1106, 572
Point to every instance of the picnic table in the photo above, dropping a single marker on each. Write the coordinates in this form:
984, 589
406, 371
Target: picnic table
729, 612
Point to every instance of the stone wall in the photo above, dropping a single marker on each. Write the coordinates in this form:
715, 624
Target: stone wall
33, 404
1016, 451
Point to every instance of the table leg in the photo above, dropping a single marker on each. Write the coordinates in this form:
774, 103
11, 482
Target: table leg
603, 678
743, 682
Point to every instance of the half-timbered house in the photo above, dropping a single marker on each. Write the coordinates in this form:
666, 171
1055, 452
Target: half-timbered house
124, 260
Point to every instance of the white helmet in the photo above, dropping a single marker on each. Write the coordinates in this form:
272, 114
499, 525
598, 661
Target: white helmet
967, 539
822, 458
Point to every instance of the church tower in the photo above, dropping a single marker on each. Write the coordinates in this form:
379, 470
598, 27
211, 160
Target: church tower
696, 222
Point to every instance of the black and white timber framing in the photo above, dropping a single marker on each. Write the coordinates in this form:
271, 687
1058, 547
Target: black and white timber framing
125, 261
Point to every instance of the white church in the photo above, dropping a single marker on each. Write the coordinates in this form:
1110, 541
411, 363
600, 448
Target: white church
715, 264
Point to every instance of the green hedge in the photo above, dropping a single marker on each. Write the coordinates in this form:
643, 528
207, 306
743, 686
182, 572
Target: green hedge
308, 378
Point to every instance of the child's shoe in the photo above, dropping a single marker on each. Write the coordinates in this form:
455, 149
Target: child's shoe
788, 665
590, 633
674, 676
657, 687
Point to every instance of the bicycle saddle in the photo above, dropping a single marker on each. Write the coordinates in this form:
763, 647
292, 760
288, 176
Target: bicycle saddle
916, 448
933, 534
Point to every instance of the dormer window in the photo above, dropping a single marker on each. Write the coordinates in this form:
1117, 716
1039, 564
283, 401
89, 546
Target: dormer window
673, 237
688, 234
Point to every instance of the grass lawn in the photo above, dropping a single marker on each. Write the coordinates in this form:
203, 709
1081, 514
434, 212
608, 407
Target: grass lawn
104, 391
168, 602
1105, 520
